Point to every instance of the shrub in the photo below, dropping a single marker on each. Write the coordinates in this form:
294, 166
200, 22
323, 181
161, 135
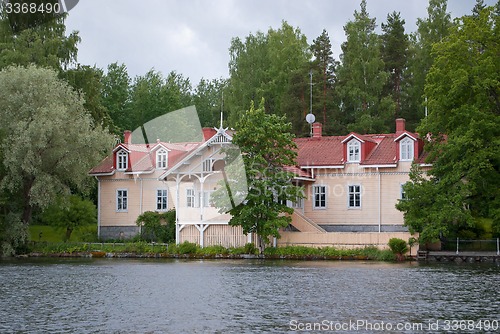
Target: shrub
250, 248
187, 248
157, 226
213, 250
398, 246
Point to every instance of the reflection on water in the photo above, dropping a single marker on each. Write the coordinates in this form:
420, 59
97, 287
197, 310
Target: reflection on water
240, 296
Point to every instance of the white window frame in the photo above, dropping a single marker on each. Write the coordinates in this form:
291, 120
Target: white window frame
122, 160
161, 158
121, 200
190, 198
351, 191
207, 165
161, 199
352, 155
402, 193
406, 148
316, 193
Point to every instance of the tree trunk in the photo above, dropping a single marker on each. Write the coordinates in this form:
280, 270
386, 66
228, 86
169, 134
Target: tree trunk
28, 209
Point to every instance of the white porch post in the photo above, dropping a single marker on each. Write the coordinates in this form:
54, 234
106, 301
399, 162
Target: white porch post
202, 228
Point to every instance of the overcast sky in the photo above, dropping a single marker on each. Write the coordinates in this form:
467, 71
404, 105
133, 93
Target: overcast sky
192, 37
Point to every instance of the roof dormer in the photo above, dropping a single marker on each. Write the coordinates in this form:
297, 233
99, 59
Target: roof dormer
121, 161
408, 146
357, 147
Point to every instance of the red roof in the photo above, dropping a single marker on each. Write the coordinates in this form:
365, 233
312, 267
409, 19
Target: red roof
142, 157
323, 151
329, 150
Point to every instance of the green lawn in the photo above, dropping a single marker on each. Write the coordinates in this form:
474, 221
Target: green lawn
52, 234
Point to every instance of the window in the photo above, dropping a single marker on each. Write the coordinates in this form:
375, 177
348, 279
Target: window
353, 149
402, 192
191, 199
406, 149
161, 158
122, 160
207, 165
319, 197
161, 199
354, 196
121, 200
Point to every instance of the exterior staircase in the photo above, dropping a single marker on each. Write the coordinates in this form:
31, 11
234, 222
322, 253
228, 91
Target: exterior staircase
304, 224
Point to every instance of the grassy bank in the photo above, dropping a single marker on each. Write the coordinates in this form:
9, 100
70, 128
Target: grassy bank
190, 250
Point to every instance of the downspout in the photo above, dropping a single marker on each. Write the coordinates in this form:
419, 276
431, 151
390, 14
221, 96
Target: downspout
98, 207
177, 201
140, 206
379, 202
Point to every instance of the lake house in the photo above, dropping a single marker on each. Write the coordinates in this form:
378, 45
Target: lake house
351, 185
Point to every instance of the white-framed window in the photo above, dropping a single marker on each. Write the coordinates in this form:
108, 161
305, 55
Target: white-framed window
208, 165
353, 151
190, 198
354, 192
406, 149
402, 191
161, 158
122, 160
161, 199
121, 200
319, 197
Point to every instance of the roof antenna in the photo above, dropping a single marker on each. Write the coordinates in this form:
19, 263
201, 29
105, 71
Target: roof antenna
222, 110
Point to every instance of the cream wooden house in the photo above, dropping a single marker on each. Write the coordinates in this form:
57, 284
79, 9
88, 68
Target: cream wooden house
351, 183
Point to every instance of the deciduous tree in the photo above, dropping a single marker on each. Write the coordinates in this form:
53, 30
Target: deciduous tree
267, 146
49, 140
463, 89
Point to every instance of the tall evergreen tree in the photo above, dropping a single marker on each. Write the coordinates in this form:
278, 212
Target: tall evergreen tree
323, 66
361, 76
431, 30
394, 54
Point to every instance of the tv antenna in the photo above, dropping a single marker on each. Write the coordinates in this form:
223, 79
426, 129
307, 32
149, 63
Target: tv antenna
310, 118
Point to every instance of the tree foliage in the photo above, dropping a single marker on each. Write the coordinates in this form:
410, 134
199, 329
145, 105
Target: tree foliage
323, 67
463, 88
157, 226
273, 66
49, 140
395, 45
267, 146
361, 76
70, 213
45, 45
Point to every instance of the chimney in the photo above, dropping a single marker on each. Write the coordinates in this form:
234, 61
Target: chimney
317, 129
400, 125
127, 135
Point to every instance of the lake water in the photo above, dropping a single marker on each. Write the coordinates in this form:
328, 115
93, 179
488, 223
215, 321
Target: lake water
246, 296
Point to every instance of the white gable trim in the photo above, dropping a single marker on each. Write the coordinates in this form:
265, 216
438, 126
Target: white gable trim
220, 132
350, 137
405, 134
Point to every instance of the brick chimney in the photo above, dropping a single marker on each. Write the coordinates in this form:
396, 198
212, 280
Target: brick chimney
127, 136
400, 125
317, 130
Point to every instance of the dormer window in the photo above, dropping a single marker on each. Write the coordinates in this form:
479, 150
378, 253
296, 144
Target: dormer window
406, 149
353, 151
122, 160
161, 158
